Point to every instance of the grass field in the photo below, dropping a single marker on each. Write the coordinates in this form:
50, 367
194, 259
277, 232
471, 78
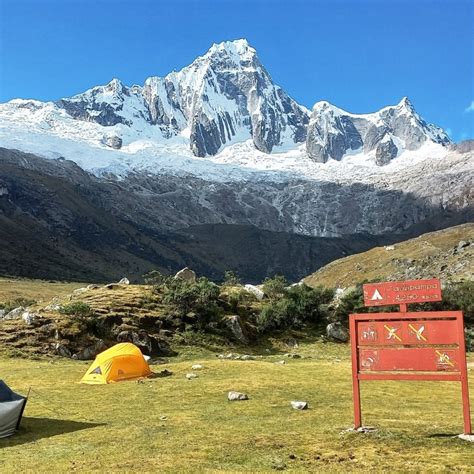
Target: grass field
119, 427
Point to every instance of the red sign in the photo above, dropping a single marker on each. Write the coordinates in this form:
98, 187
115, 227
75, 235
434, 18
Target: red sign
408, 346
402, 292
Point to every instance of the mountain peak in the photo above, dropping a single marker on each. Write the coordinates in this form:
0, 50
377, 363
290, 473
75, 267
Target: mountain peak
406, 104
238, 49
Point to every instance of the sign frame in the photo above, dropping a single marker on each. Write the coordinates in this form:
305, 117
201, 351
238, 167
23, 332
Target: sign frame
403, 319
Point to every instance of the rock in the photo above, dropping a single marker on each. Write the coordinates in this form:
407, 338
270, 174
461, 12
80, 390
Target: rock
462, 245
112, 286
53, 307
29, 318
235, 396
337, 332
234, 323
92, 287
389, 247
124, 281
281, 362
62, 350
255, 291
186, 274
113, 142
79, 291
149, 345
197, 367
293, 356
2, 313
247, 357
299, 405
467, 437
164, 373
16, 313
191, 376
90, 352
385, 152
292, 343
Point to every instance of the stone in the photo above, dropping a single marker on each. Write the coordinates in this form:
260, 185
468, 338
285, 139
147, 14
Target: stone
2, 313
247, 357
186, 274
191, 376
197, 367
234, 323
112, 286
337, 332
467, 437
281, 362
164, 373
124, 281
299, 405
62, 350
389, 247
90, 352
29, 317
293, 356
16, 313
236, 396
79, 291
53, 307
257, 292
385, 152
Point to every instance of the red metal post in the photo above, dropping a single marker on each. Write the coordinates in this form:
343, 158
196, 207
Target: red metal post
403, 308
355, 372
464, 378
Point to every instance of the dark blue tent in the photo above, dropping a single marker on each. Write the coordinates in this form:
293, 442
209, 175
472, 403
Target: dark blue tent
11, 410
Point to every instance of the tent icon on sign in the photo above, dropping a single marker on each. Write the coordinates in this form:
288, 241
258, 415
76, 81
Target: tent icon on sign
376, 296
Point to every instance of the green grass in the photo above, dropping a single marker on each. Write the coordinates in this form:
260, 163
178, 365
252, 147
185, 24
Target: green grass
117, 427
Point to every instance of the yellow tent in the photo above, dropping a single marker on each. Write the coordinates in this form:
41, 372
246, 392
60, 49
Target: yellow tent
123, 361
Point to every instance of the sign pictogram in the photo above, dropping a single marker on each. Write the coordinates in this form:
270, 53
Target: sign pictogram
408, 345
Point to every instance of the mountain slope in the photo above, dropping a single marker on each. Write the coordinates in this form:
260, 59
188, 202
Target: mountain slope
447, 254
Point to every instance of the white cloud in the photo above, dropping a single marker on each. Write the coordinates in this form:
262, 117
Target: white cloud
471, 107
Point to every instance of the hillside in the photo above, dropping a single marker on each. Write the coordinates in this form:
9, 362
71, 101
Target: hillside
447, 254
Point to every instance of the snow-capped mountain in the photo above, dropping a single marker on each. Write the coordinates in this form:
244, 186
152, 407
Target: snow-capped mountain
223, 98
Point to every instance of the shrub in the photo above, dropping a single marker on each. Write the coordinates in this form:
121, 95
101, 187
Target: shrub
274, 288
231, 279
78, 308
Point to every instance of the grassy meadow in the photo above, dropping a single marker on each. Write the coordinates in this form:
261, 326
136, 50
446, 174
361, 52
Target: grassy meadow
172, 424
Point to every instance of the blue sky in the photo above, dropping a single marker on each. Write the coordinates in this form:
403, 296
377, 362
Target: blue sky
360, 55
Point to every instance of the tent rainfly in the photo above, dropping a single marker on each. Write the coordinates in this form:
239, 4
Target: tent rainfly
123, 361
11, 410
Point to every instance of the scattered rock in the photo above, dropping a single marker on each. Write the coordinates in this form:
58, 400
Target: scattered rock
15, 313
186, 274
247, 357
29, 318
124, 281
197, 367
53, 307
92, 287
293, 356
235, 396
362, 429
62, 350
163, 373
257, 292
389, 247
467, 437
90, 352
2, 313
299, 405
234, 323
79, 291
163, 418
114, 142
337, 332
281, 362
191, 376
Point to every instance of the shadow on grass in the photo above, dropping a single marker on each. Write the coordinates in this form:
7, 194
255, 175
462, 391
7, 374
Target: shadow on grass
443, 435
34, 429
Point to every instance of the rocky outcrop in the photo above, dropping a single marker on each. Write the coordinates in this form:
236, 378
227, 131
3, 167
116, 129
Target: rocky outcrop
186, 274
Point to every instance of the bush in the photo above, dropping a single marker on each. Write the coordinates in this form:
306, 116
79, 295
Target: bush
13, 304
231, 279
78, 308
274, 288
297, 305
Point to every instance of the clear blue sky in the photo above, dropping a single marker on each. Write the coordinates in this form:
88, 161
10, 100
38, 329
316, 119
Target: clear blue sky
360, 55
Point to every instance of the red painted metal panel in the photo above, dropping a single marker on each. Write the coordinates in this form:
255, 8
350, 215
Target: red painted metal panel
402, 292
412, 332
426, 359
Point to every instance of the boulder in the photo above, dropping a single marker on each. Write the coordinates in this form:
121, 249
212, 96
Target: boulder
149, 345
191, 376
186, 274
62, 350
236, 396
234, 323
79, 291
2, 313
337, 332
247, 357
16, 313
29, 318
114, 142
259, 294
124, 281
197, 367
90, 352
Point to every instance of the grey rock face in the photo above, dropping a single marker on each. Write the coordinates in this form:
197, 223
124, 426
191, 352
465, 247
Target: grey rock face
186, 274
332, 132
90, 352
235, 325
386, 150
16, 313
114, 142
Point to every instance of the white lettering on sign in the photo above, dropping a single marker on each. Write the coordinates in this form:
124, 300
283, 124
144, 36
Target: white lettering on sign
376, 295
